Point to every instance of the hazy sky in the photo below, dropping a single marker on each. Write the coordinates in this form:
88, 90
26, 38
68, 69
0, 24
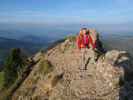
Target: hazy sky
67, 11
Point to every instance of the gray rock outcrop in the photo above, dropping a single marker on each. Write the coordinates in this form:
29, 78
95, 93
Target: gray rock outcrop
110, 78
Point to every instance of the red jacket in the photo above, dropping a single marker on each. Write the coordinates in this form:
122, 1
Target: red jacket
85, 40
80, 42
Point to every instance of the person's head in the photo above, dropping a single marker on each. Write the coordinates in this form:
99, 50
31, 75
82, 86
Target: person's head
84, 30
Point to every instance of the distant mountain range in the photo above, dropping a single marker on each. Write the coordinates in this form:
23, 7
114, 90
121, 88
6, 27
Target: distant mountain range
29, 45
32, 43
36, 39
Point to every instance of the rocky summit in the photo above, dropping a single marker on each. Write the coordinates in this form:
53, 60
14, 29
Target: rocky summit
57, 75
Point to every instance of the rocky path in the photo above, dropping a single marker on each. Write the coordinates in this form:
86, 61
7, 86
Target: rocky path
81, 82
99, 82
103, 80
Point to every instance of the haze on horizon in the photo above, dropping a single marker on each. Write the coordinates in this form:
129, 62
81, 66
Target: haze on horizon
66, 14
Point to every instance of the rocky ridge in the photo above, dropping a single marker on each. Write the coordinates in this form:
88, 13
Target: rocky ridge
57, 76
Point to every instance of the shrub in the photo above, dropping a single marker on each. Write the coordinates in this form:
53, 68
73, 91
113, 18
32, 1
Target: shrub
13, 65
72, 38
1, 79
45, 67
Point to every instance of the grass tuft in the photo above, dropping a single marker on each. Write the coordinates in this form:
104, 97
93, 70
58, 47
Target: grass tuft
45, 67
1, 79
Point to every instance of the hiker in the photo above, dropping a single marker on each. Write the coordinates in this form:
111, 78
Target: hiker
99, 45
82, 44
89, 44
89, 40
96, 44
90, 54
80, 39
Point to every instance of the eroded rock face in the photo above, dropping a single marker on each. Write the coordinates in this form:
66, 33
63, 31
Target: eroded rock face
103, 80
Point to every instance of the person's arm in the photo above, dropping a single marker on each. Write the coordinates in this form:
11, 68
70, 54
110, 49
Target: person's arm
91, 42
78, 43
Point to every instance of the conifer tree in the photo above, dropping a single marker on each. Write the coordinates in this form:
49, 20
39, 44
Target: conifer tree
13, 65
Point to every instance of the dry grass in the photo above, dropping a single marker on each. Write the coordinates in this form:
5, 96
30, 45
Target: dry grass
1, 79
45, 67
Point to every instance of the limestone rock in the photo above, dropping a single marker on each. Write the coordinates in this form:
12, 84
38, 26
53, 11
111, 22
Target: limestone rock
110, 78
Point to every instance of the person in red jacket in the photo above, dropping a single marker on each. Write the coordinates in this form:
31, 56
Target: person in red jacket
88, 40
80, 39
82, 43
